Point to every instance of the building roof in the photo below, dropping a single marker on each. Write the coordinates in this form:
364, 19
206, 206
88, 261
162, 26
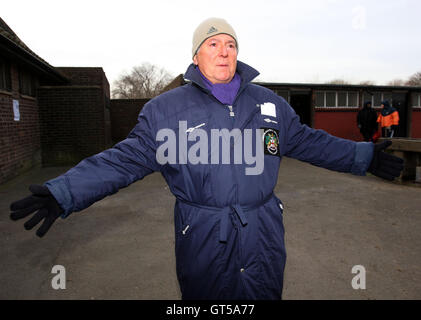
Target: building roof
176, 82
179, 81
14, 43
327, 86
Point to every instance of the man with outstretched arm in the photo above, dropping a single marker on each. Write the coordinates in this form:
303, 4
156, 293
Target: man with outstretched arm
228, 221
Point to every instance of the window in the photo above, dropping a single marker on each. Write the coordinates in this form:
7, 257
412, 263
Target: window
377, 99
336, 99
27, 83
330, 99
283, 93
320, 99
342, 99
5, 80
416, 100
352, 99
367, 97
381, 96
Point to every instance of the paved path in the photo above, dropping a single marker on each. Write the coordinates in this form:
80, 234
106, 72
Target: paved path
123, 246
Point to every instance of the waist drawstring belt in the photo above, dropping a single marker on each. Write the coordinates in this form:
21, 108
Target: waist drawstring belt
226, 211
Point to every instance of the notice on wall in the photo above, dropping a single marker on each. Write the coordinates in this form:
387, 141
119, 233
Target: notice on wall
16, 112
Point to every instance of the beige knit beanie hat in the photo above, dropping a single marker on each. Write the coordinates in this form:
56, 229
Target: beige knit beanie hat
209, 28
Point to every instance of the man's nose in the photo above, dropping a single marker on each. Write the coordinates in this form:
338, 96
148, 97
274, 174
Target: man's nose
223, 51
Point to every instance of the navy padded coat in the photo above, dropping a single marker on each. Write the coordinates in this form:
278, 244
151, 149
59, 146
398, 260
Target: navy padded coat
228, 224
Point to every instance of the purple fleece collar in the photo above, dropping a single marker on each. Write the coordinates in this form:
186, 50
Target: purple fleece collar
224, 92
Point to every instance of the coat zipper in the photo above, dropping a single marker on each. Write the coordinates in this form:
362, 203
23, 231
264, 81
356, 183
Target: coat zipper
231, 113
240, 247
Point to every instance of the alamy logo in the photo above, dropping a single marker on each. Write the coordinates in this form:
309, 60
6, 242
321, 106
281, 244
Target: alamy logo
358, 281
220, 145
58, 281
192, 128
212, 30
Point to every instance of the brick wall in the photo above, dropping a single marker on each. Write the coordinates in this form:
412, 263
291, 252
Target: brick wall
124, 114
342, 124
75, 120
72, 123
19, 140
92, 76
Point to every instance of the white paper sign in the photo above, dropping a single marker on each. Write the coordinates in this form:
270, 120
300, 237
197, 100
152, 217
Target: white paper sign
16, 112
268, 109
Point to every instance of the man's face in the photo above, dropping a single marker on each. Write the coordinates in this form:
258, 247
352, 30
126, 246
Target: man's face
217, 58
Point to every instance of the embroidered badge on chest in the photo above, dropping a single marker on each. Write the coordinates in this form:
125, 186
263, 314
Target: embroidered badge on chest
271, 141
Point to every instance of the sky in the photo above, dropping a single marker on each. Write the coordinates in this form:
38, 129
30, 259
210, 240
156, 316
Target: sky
286, 41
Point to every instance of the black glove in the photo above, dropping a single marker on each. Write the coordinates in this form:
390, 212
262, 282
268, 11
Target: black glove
41, 200
385, 165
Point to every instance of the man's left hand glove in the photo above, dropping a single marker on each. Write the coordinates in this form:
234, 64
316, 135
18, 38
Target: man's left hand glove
385, 165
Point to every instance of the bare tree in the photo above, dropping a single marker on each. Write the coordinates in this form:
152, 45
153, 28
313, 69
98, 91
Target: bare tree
367, 83
414, 80
144, 81
338, 81
396, 82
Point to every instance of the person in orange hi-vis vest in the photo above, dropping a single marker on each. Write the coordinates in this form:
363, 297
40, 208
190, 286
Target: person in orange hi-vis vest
388, 119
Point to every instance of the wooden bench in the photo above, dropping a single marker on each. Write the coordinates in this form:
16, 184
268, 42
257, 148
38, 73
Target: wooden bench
409, 150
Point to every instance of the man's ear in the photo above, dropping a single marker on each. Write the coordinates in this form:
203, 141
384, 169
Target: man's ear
195, 60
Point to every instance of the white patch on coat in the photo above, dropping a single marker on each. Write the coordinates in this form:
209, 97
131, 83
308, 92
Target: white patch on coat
268, 109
